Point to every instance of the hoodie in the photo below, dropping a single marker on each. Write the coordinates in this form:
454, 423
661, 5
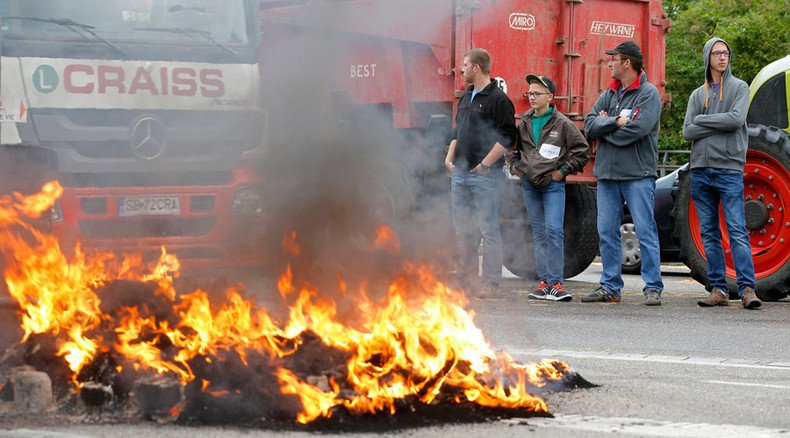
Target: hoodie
716, 119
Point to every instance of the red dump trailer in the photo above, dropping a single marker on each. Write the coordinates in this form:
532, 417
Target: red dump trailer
404, 57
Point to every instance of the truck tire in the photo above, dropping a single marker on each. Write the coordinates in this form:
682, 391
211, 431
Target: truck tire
580, 237
767, 197
632, 253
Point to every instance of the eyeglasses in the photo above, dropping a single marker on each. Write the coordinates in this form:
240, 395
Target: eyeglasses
722, 54
535, 94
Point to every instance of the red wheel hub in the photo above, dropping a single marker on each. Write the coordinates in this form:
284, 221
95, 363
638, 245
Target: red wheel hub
767, 198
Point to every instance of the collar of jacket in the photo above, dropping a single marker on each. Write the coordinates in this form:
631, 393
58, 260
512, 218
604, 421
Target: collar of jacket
527, 115
485, 90
615, 85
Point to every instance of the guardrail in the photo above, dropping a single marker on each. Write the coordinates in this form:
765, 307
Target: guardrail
667, 166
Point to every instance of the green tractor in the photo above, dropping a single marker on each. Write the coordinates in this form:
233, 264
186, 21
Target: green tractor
766, 191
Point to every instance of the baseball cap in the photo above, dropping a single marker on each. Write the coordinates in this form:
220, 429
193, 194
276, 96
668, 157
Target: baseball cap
544, 80
628, 48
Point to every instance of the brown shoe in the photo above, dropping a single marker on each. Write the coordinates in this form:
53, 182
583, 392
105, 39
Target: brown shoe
749, 299
488, 292
717, 297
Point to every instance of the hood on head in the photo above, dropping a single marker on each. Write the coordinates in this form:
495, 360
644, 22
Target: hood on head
706, 57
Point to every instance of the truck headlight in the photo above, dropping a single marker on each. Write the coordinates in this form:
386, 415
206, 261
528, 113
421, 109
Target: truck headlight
247, 202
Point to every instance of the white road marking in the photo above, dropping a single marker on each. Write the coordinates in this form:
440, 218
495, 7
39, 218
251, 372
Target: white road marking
761, 385
681, 360
644, 427
37, 433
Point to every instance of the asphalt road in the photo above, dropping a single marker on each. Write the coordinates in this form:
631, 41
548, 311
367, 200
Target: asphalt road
673, 370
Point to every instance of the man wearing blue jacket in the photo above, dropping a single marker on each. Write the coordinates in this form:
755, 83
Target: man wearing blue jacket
625, 122
716, 123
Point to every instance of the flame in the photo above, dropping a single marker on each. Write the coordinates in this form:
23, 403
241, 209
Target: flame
285, 282
316, 403
386, 239
290, 245
419, 341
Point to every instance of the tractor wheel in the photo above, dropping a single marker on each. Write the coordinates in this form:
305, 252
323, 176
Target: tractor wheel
767, 197
580, 237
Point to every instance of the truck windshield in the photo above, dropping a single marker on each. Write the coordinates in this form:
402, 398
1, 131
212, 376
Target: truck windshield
223, 22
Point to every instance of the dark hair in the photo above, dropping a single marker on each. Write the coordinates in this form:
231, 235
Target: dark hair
636, 63
480, 57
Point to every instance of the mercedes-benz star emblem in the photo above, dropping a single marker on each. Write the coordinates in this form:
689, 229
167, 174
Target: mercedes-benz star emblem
148, 138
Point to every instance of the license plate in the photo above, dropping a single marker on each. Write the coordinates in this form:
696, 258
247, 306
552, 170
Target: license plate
149, 205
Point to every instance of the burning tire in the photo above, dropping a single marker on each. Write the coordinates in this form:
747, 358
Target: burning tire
581, 235
767, 197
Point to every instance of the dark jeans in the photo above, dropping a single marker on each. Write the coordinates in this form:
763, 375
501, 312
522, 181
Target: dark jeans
475, 200
709, 187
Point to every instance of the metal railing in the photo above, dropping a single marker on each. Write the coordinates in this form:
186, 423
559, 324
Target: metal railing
667, 166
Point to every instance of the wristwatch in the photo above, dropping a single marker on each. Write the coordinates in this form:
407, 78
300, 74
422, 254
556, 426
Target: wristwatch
485, 168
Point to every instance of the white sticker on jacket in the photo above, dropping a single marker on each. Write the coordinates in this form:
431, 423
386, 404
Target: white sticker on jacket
549, 151
626, 113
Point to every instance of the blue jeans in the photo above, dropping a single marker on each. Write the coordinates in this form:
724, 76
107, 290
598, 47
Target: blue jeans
475, 203
709, 187
546, 212
639, 194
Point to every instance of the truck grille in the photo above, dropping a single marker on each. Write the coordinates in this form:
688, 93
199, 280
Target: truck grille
146, 228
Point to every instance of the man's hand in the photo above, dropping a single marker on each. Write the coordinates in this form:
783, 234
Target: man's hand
603, 113
621, 121
518, 172
557, 176
481, 170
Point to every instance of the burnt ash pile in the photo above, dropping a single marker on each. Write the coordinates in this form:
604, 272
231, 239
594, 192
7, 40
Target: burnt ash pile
241, 391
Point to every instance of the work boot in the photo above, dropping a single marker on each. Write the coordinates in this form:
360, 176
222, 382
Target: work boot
488, 292
716, 297
749, 299
652, 297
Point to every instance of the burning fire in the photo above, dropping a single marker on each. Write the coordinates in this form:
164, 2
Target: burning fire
418, 343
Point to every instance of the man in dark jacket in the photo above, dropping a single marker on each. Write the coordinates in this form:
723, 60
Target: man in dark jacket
716, 123
550, 147
485, 130
625, 122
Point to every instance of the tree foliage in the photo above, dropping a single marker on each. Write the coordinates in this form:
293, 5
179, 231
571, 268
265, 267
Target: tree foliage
757, 31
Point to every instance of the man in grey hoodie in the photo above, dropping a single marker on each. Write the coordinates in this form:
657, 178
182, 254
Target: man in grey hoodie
716, 124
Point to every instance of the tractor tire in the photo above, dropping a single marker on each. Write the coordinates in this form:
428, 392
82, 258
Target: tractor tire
767, 197
580, 236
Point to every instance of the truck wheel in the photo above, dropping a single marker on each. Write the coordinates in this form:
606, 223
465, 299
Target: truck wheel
581, 234
519, 258
632, 253
767, 197
581, 231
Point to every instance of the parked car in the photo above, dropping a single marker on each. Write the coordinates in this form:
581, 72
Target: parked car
668, 176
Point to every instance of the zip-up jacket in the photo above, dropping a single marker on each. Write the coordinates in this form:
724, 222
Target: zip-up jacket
716, 120
482, 122
631, 151
561, 146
